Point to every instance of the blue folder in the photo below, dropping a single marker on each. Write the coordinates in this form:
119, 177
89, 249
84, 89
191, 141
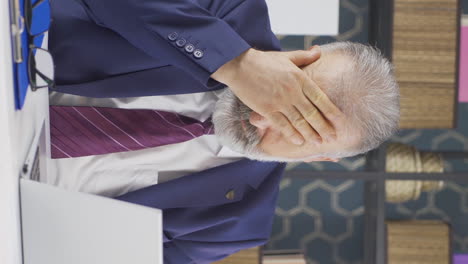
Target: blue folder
20, 70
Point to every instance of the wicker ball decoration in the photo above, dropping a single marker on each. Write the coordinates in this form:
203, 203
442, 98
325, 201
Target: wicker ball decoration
432, 162
404, 158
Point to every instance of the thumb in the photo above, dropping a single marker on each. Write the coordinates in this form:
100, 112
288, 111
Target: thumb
304, 57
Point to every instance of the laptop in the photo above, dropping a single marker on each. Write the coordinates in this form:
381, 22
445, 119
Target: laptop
67, 227
60, 227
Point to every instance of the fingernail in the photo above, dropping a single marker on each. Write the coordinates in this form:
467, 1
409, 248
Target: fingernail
255, 117
297, 140
314, 51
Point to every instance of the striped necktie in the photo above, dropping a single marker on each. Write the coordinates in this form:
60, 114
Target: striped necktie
84, 131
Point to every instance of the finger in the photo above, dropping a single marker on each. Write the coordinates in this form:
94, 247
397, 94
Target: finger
258, 121
315, 119
303, 57
279, 122
313, 47
302, 125
315, 94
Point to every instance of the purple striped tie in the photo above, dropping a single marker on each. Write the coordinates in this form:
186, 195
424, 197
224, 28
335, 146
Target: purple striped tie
84, 131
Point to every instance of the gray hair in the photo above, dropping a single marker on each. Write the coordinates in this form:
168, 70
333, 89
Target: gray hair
367, 93
363, 87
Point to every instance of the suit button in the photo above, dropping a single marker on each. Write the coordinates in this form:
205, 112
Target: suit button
198, 54
181, 42
230, 195
173, 36
189, 48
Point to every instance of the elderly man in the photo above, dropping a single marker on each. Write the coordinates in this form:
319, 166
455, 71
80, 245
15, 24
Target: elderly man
162, 151
215, 202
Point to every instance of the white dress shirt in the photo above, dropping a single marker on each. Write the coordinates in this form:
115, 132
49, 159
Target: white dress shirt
118, 173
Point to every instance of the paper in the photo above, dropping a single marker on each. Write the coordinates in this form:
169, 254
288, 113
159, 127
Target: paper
304, 17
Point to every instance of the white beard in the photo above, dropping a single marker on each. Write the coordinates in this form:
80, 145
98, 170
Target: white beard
227, 119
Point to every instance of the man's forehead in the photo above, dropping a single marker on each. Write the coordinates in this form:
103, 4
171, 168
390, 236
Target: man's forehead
329, 67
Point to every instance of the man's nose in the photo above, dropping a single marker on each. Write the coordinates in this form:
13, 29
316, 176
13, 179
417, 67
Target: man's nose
258, 121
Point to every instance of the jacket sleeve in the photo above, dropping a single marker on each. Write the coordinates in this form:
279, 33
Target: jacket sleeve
180, 32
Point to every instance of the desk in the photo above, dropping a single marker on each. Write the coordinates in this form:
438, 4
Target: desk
17, 131
20, 134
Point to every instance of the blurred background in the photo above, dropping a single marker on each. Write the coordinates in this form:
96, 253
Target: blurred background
325, 218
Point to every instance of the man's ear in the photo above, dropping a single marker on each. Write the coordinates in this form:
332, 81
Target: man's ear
321, 159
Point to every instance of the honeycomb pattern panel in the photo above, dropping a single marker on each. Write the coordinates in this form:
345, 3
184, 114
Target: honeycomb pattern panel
325, 218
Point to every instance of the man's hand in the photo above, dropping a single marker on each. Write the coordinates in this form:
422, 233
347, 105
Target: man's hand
273, 85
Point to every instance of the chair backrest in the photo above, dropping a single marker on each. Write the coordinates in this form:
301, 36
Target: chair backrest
248, 256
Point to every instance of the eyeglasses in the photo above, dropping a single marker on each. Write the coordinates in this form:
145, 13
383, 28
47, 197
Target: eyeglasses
40, 61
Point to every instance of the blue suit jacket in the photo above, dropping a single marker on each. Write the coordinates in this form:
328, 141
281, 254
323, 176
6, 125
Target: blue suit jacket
121, 48
125, 48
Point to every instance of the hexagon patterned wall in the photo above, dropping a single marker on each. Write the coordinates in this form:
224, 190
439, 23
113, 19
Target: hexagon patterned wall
325, 218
